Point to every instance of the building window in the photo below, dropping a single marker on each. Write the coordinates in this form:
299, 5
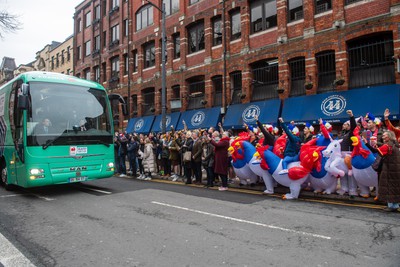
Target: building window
115, 33
86, 74
104, 71
62, 57
196, 37
104, 39
126, 64
326, 70
87, 48
171, 6
96, 71
52, 62
322, 6
196, 92
263, 15
177, 45
79, 25
126, 27
134, 104
370, 60
144, 17
78, 52
265, 79
97, 12
57, 60
236, 28
97, 43
115, 67
217, 30
114, 4
236, 87
88, 19
217, 86
135, 61
297, 69
295, 8
349, 2
104, 5
149, 55
68, 53
191, 2
148, 101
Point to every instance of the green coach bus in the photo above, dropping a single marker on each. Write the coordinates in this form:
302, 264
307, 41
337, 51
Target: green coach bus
54, 129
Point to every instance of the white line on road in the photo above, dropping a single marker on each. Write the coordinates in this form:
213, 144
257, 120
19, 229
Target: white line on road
97, 190
244, 221
10, 256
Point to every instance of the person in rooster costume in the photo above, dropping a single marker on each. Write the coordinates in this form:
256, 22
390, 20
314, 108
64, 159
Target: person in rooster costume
292, 149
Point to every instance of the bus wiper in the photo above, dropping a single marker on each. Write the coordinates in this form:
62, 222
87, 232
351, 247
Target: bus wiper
50, 142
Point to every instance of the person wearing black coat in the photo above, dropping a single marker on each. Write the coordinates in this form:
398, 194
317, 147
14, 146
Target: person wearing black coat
133, 147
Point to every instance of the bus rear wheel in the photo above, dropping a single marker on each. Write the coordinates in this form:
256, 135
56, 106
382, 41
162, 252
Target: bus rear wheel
4, 179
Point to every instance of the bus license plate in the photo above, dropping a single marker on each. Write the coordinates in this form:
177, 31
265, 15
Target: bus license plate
77, 179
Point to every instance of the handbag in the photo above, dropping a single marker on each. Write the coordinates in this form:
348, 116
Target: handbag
187, 156
377, 165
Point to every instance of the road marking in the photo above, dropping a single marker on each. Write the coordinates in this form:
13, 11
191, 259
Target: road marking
244, 221
97, 190
16, 195
339, 202
11, 256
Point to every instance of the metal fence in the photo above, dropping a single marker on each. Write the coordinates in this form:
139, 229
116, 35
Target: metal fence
265, 82
326, 70
196, 95
217, 87
371, 62
297, 76
236, 87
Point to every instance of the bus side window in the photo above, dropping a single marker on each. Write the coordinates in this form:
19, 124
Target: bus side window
16, 118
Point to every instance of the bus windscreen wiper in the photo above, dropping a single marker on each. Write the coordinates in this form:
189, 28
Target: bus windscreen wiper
50, 142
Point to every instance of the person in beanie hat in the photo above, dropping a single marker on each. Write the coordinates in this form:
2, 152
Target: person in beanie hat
308, 133
292, 149
373, 130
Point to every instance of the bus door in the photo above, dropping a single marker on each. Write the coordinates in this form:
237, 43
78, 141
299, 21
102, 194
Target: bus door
17, 131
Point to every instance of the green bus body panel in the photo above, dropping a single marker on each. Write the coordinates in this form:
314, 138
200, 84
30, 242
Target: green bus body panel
58, 165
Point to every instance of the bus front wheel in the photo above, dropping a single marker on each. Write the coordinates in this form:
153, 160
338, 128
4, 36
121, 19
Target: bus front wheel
4, 179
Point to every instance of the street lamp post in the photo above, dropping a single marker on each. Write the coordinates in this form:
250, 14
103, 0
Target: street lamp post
163, 70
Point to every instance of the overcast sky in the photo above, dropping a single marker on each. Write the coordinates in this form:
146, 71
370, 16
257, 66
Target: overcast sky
43, 21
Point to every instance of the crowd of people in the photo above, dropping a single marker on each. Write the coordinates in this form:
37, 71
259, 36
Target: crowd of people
183, 155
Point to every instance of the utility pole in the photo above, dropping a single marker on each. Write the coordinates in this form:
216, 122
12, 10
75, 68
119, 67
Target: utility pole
128, 108
163, 70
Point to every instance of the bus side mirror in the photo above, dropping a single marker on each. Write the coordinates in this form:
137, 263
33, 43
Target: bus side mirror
25, 89
23, 102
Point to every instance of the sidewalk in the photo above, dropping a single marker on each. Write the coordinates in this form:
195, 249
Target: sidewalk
281, 190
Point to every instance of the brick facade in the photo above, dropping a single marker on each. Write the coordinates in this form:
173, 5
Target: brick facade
330, 30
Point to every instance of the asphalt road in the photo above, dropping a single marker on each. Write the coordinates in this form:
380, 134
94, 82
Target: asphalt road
126, 222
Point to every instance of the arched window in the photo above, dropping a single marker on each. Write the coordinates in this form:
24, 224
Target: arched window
144, 17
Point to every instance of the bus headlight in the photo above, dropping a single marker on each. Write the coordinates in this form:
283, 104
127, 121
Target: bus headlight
110, 166
36, 173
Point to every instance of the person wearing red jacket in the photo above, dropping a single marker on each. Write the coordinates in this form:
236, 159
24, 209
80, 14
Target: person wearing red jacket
390, 126
221, 158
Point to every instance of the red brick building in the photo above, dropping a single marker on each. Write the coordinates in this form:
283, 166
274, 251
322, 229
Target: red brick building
299, 47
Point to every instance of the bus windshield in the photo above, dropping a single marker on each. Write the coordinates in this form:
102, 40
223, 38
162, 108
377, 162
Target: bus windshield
62, 114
